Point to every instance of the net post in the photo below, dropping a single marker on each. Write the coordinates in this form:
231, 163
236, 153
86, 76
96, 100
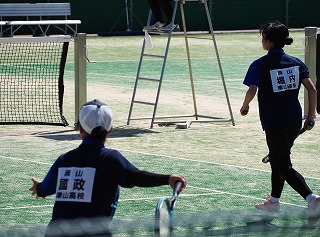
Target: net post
310, 60
80, 72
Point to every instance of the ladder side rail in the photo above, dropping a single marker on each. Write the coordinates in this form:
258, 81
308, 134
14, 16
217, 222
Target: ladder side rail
189, 60
164, 64
218, 59
138, 72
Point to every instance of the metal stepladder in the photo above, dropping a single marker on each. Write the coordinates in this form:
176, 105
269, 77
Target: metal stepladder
196, 116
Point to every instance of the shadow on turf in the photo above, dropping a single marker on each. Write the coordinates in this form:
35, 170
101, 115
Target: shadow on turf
67, 135
70, 135
125, 131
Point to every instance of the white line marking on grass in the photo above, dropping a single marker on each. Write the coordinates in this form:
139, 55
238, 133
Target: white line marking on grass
24, 207
200, 161
206, 162
210, 192
31, 161
185, 159
241, 195
181, 195
120, 200
171, 157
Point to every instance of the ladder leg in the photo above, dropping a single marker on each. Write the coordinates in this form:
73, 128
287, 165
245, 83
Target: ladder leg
189, 61
138, 72
218, 59
164, 64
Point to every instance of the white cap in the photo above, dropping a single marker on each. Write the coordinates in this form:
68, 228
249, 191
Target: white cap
95, 114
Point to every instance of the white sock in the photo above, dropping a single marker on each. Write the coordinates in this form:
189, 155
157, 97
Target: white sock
273, 199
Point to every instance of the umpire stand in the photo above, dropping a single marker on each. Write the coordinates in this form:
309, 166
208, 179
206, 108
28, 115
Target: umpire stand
183, 118
312, 60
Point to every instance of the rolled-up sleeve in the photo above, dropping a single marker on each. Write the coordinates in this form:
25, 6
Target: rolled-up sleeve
253, 75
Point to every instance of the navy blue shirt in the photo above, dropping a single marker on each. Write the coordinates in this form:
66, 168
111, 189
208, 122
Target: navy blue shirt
86, 181
278, 77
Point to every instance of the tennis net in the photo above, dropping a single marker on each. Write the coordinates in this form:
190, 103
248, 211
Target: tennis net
230, 223
31, 79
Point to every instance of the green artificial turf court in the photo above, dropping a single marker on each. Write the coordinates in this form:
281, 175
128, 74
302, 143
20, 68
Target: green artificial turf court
227, 192
221, 162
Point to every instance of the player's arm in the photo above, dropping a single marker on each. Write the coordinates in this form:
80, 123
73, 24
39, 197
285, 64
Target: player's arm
143, 178
312, 99
251, 92
48, 185
33, 189
128, 176
252, 80
37, 189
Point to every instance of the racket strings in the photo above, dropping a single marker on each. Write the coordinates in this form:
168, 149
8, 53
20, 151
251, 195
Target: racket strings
164, 217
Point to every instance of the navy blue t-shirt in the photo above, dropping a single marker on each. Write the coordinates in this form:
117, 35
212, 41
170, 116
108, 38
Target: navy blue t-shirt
278, 77
86, 181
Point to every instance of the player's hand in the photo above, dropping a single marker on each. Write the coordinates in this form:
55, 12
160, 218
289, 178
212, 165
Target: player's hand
33, 189
176, 178
244, 110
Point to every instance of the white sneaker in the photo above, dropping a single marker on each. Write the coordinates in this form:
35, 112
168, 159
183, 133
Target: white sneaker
268, 205
313, 210
166, 28
155, 26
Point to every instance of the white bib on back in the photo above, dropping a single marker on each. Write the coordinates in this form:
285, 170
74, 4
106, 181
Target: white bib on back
75, 184
285, 79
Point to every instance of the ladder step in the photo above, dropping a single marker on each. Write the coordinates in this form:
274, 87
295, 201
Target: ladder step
195, 37
154, 55
148, 79
143, 102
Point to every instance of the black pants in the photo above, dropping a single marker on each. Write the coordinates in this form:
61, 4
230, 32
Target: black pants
161, 5
280, 143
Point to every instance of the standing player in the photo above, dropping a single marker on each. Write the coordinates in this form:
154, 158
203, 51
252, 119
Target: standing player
157, 7
86, 180
278, 76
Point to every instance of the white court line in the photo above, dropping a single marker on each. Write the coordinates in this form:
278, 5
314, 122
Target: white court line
184, 159
165, 156
25, 207
120, 200
205, 162
31, 161
242, 196
211, 192
199, 161
150, 154
181, 195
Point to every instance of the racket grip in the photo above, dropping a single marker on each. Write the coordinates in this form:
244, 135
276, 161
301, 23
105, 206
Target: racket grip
177, 187
310, 123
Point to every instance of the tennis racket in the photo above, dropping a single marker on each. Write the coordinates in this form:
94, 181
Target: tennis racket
302, 130
164, 213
